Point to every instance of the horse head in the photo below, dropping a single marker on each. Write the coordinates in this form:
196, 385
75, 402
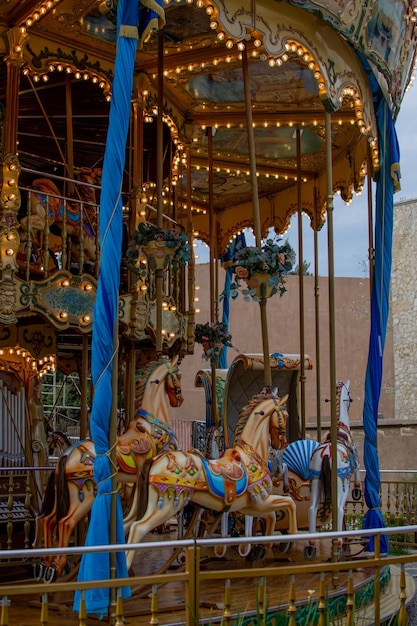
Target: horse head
173, 383
46, 192
278, 424
159, 383
343, 399
261, 421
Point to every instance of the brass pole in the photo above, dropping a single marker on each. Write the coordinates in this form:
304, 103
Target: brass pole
112, 441
12, 107
159, 274
371, 251
70, 133
191, 263
16, 40
212, 223
332, 333
256, 212
130, 404
213, 256
137, 143
84, 375
301, 286
317, 318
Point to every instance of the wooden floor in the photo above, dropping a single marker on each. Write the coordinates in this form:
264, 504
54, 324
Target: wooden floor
25, 611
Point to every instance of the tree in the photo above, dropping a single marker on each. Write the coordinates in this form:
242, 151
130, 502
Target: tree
306, 271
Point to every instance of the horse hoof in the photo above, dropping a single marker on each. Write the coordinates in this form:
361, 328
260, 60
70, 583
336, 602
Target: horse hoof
50, 575
257, 553
310, 553
244, 549
219, 551
284, 547
38, 571
356, 494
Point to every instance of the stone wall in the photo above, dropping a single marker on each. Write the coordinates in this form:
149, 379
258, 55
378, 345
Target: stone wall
397, 426
404, 308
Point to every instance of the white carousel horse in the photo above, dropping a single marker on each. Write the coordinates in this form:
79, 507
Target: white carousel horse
321, 466
71, 490
239, 481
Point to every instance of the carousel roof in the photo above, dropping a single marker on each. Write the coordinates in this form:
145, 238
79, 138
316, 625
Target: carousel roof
304, 58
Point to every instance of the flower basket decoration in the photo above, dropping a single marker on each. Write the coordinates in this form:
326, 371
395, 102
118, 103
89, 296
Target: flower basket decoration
262, 270
160, 247
212, 336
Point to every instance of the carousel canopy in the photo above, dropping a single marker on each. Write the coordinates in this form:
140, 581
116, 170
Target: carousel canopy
303, 58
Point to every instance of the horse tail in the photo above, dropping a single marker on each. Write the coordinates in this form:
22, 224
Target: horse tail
62, 491
326, 481
48, 501
143, 488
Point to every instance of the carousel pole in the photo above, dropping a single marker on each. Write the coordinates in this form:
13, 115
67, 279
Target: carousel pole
191, 263
371, 250
70, 133
213, 281
301, 286
332, 333
84, 386
113, 464
159, 273
317, 318
256, 212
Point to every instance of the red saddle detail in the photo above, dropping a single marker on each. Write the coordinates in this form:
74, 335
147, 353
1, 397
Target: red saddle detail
230, 470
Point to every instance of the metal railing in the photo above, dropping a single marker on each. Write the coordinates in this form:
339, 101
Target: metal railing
195, 579
397, 504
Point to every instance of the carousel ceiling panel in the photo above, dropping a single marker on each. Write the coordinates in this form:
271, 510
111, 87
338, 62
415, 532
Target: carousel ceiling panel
300, 64
383, 30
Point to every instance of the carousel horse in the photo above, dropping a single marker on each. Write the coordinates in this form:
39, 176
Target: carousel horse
47, 208
279, 472
71, 490
321, 465
239, 481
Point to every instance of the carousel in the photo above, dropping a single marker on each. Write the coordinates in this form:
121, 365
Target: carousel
128, 132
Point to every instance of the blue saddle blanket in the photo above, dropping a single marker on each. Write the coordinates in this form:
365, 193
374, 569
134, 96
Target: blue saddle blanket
217, 485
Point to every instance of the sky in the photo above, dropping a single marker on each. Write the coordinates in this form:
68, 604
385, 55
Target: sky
351, 222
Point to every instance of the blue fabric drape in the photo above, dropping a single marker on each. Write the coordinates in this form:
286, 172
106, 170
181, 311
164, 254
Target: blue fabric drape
238, 242
97, 566
387, 184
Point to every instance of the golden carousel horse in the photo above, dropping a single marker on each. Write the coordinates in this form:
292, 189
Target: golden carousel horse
48, 208
71, 489
239, 481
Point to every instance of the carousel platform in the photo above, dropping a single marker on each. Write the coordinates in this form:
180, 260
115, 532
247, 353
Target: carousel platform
171, 604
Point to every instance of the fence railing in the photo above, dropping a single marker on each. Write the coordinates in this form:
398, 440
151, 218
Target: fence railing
19, 505
337, 599
21, 491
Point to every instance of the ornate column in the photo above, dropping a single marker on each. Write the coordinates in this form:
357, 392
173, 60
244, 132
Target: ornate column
9, 236
9, 176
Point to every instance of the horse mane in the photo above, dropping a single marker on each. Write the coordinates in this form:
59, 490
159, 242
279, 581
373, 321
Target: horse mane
339, 387
144, 376
248, 409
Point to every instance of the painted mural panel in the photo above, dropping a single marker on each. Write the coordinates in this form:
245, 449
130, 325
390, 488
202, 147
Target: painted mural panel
383, 30
386, 30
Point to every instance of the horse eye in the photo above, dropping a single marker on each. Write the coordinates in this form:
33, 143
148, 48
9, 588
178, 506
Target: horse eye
262, 413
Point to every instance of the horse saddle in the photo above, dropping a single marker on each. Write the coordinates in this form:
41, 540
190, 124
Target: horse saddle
125, 454
226, 477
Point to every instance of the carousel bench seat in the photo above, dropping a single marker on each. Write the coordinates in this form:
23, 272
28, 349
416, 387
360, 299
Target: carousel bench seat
244, 378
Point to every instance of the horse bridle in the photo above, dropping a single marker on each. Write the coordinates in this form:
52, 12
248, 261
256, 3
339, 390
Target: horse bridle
349, 398
277, 410
171, 375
